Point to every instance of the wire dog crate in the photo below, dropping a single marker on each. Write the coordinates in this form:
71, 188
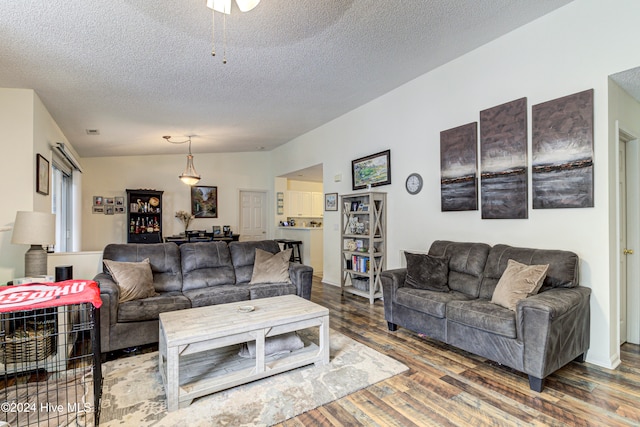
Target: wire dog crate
50, 354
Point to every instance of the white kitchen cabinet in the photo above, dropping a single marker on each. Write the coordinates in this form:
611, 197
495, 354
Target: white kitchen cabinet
305, 204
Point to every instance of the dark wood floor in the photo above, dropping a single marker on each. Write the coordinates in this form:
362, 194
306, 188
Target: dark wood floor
449, 387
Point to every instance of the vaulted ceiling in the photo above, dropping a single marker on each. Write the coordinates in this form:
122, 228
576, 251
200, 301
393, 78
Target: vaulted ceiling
135, 70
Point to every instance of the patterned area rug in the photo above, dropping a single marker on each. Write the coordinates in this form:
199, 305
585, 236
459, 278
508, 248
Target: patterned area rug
133, 393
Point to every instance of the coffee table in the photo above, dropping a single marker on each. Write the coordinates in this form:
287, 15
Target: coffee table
198, 351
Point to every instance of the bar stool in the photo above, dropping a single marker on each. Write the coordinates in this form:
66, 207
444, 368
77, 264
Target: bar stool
296, 253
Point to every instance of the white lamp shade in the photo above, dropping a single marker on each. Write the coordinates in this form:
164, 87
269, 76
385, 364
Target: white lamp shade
34, 228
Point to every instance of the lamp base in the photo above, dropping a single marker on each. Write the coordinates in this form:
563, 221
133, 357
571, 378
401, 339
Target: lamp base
35, 261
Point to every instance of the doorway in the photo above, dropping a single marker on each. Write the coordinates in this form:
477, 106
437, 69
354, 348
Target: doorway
253, 215
629, 236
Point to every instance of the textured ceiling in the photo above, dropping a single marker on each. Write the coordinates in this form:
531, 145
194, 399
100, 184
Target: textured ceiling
629, 81
139, 69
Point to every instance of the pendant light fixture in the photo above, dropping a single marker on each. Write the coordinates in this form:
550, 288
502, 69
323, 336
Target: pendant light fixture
189, 176
224, 7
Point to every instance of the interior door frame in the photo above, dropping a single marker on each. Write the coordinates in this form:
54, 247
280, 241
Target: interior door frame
632, 162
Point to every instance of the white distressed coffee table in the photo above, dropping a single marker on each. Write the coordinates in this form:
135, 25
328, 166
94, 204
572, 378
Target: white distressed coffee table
198, 354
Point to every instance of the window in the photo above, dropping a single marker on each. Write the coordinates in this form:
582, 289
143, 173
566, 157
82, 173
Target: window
61, 197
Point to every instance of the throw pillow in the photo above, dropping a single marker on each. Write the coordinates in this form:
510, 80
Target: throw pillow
518, 282
427, 272
271, 268
279, 344
134, 279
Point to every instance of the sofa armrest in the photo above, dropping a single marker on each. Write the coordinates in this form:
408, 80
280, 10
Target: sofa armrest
554, 327
392, 280
302, 277
110, 295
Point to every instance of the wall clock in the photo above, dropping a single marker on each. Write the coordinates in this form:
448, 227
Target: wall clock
414, 183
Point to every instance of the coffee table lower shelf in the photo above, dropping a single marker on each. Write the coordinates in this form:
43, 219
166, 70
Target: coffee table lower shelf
215, 370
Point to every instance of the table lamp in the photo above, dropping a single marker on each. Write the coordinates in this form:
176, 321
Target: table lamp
35, 229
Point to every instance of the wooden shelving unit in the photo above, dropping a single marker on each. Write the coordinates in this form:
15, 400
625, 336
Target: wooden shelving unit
144, 216
363, 239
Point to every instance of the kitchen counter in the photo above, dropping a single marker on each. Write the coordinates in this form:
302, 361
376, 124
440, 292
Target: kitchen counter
312, 244
300, 228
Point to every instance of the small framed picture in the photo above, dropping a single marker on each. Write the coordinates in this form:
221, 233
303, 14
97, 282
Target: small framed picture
109, 201
119, 201
331, 202
119, 209
108, 210
98, 210
98, 201
354, 206
42, 175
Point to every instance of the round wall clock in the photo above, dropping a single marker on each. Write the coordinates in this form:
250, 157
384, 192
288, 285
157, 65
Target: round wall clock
414, 183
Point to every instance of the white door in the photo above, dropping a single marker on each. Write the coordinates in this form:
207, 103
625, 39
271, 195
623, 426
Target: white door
629, 244
253, 215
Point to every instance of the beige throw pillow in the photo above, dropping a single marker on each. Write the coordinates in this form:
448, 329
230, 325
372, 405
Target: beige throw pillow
518, 282
271, 268
134, 279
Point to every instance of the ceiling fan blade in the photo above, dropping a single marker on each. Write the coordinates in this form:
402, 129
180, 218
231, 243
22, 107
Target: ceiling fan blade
224, 6
247, 5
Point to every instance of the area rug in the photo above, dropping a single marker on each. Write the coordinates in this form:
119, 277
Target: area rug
133, 393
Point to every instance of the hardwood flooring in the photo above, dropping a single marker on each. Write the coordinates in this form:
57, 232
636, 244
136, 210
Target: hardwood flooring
445, 386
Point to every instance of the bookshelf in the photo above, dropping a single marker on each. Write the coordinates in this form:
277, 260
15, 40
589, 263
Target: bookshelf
363, 239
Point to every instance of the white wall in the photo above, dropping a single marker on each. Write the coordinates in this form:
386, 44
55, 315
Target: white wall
567, 51
111, 176
27, 129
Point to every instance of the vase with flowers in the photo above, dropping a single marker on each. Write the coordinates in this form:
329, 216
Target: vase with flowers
186, 218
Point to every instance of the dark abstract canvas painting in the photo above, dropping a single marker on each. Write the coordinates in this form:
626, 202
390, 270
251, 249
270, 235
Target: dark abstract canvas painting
562, 151
459, 168
503, 161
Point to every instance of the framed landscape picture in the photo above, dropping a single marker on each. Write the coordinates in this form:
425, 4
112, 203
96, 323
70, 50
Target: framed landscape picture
204, 201
371, 170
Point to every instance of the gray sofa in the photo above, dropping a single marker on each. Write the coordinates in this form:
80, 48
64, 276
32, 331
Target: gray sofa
185, 276
545, 332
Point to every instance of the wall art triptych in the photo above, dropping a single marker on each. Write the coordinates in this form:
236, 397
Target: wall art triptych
562, 164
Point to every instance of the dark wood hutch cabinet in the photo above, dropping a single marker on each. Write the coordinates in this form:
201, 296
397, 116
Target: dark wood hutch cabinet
144, 220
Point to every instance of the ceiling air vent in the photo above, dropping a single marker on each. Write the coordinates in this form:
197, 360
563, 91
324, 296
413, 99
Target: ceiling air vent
93, 132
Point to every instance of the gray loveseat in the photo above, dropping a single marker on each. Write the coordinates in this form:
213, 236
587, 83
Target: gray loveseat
185, 276
545, 332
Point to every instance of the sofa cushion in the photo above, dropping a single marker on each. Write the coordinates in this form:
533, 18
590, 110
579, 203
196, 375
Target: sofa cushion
206, 264
243, 255
221, 294
427, 272
134, 279
562, 273
483, 315
433, 303
150, 308
163, 257
267, 290
271, 268
518, 282
466, 264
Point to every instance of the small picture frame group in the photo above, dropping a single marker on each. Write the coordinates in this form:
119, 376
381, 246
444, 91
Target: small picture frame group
108, 205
